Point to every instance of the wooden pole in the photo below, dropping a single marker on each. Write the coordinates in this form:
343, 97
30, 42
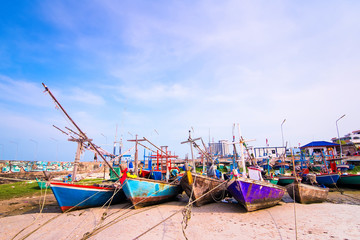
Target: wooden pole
77, 160
81, 132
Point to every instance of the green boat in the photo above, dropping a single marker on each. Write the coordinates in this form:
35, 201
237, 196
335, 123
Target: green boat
285, 180
349, 180
42, 184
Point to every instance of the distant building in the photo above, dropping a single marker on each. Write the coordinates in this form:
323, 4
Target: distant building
350, 138
220, 148
319, 147
269, 151
350, 143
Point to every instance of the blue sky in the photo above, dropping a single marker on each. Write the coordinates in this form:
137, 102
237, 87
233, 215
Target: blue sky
160, 68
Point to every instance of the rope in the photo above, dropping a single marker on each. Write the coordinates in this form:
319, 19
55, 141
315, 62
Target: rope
295, 212
101, 228
97, 230
51, 219
180, 211
274, 223
41, 206
187, 210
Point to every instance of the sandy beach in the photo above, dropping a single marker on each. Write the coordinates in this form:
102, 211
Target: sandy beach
335, 219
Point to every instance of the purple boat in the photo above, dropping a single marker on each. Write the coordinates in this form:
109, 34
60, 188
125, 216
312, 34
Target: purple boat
255, 194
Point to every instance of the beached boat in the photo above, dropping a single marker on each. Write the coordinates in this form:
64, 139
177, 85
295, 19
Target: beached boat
349, 180
202, 189
271, 179
41, 184
327, 179
74, 196
285, 180
304, 193
255, 194
143, 192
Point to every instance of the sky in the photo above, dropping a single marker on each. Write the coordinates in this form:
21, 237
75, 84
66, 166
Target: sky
158, 69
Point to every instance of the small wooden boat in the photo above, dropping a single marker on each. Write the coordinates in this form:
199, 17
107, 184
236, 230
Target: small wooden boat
200, 188
304, 193
255, 194
143, 192
74, 196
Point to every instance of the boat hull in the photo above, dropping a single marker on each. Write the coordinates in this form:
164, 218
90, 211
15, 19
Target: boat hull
304, 193
202, 185
255, 195
73, 196
285, 180
143, 192
328, 180
349, 180
41, 184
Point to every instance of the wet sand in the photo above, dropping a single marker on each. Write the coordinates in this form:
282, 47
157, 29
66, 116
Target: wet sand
335, 219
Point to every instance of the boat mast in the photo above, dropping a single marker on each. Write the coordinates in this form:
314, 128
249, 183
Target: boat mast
242, 151
81, 132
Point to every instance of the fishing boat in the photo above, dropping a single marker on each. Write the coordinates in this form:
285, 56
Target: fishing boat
144, 192
255, 194
285, 180
304, 193
41, 184
327, 179
202, 189
349, 180
345, 179
74, 196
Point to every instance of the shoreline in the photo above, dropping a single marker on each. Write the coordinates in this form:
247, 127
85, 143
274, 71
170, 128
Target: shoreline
213, 221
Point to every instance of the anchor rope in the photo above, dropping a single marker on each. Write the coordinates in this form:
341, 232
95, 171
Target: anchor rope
97, 230
41, 206
187, 209
51, 219
180, 210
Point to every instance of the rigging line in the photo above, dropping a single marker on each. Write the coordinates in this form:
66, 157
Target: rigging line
51, 219
277, 228
187, 209
95, 231
38, 215
296, 236
179, 210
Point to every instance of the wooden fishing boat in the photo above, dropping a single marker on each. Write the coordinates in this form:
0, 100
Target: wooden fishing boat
304, 193
200, 188
74, 196
143, 192
255, 194
327, 179
349, 180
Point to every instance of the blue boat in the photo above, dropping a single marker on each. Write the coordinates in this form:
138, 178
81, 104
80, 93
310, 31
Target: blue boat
143, 192
327, 179
255, 194
72, 196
